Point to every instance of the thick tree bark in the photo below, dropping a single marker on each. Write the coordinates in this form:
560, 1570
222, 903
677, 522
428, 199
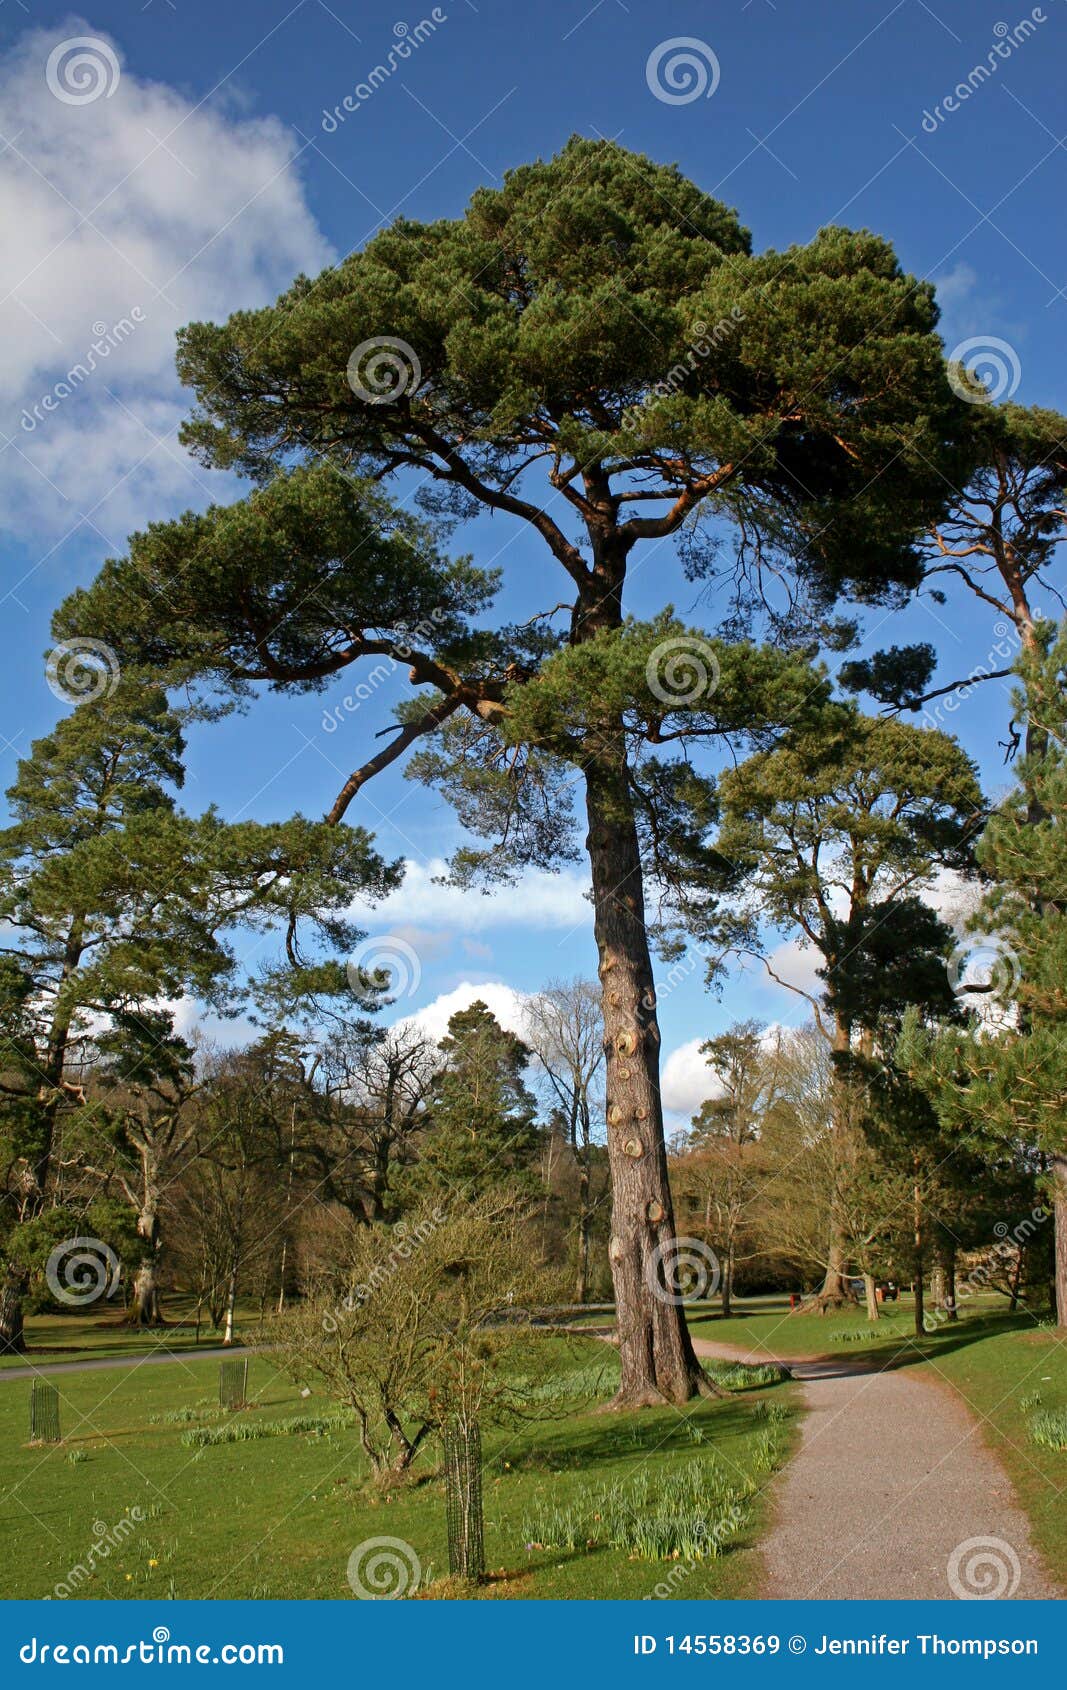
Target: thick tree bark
836, 1288
146, 1308
943, 1277
658, 1361
12, 1292
920, 1244
1059, 1175
871, 1293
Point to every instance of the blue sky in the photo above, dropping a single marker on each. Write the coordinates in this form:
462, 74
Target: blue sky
204, 179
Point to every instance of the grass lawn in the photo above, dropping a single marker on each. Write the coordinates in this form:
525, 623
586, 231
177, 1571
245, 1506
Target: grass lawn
1011, 1370
280, 1515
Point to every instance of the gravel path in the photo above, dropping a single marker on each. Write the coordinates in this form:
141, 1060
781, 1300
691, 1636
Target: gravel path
153, 1359
892, 1493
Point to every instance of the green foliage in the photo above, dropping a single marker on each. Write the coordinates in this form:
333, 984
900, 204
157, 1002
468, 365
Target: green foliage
482, 1129
836, 832
692, 1513
1049, 1429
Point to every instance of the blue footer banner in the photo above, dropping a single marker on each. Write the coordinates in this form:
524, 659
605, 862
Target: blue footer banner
534, 1643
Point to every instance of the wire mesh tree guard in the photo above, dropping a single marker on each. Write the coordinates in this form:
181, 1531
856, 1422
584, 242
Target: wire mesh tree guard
44, 1413
463, 1499
233, 1382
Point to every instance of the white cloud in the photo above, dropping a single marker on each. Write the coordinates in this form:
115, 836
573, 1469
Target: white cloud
138, 209
508, 1005
539, 900
687, 1080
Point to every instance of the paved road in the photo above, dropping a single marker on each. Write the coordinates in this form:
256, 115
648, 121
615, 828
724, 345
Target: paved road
101, 1365
892, 1493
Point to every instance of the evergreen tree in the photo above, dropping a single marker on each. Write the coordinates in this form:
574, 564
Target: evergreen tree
482, 1128
113, 900
834, 836
592, 346
1009, 1071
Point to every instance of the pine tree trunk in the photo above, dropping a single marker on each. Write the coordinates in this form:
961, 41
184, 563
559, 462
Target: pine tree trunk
1059, 1175
943, 1278
656, 1352
920, 1313
12, 1291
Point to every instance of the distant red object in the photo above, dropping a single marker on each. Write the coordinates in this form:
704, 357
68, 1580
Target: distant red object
792, 1299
